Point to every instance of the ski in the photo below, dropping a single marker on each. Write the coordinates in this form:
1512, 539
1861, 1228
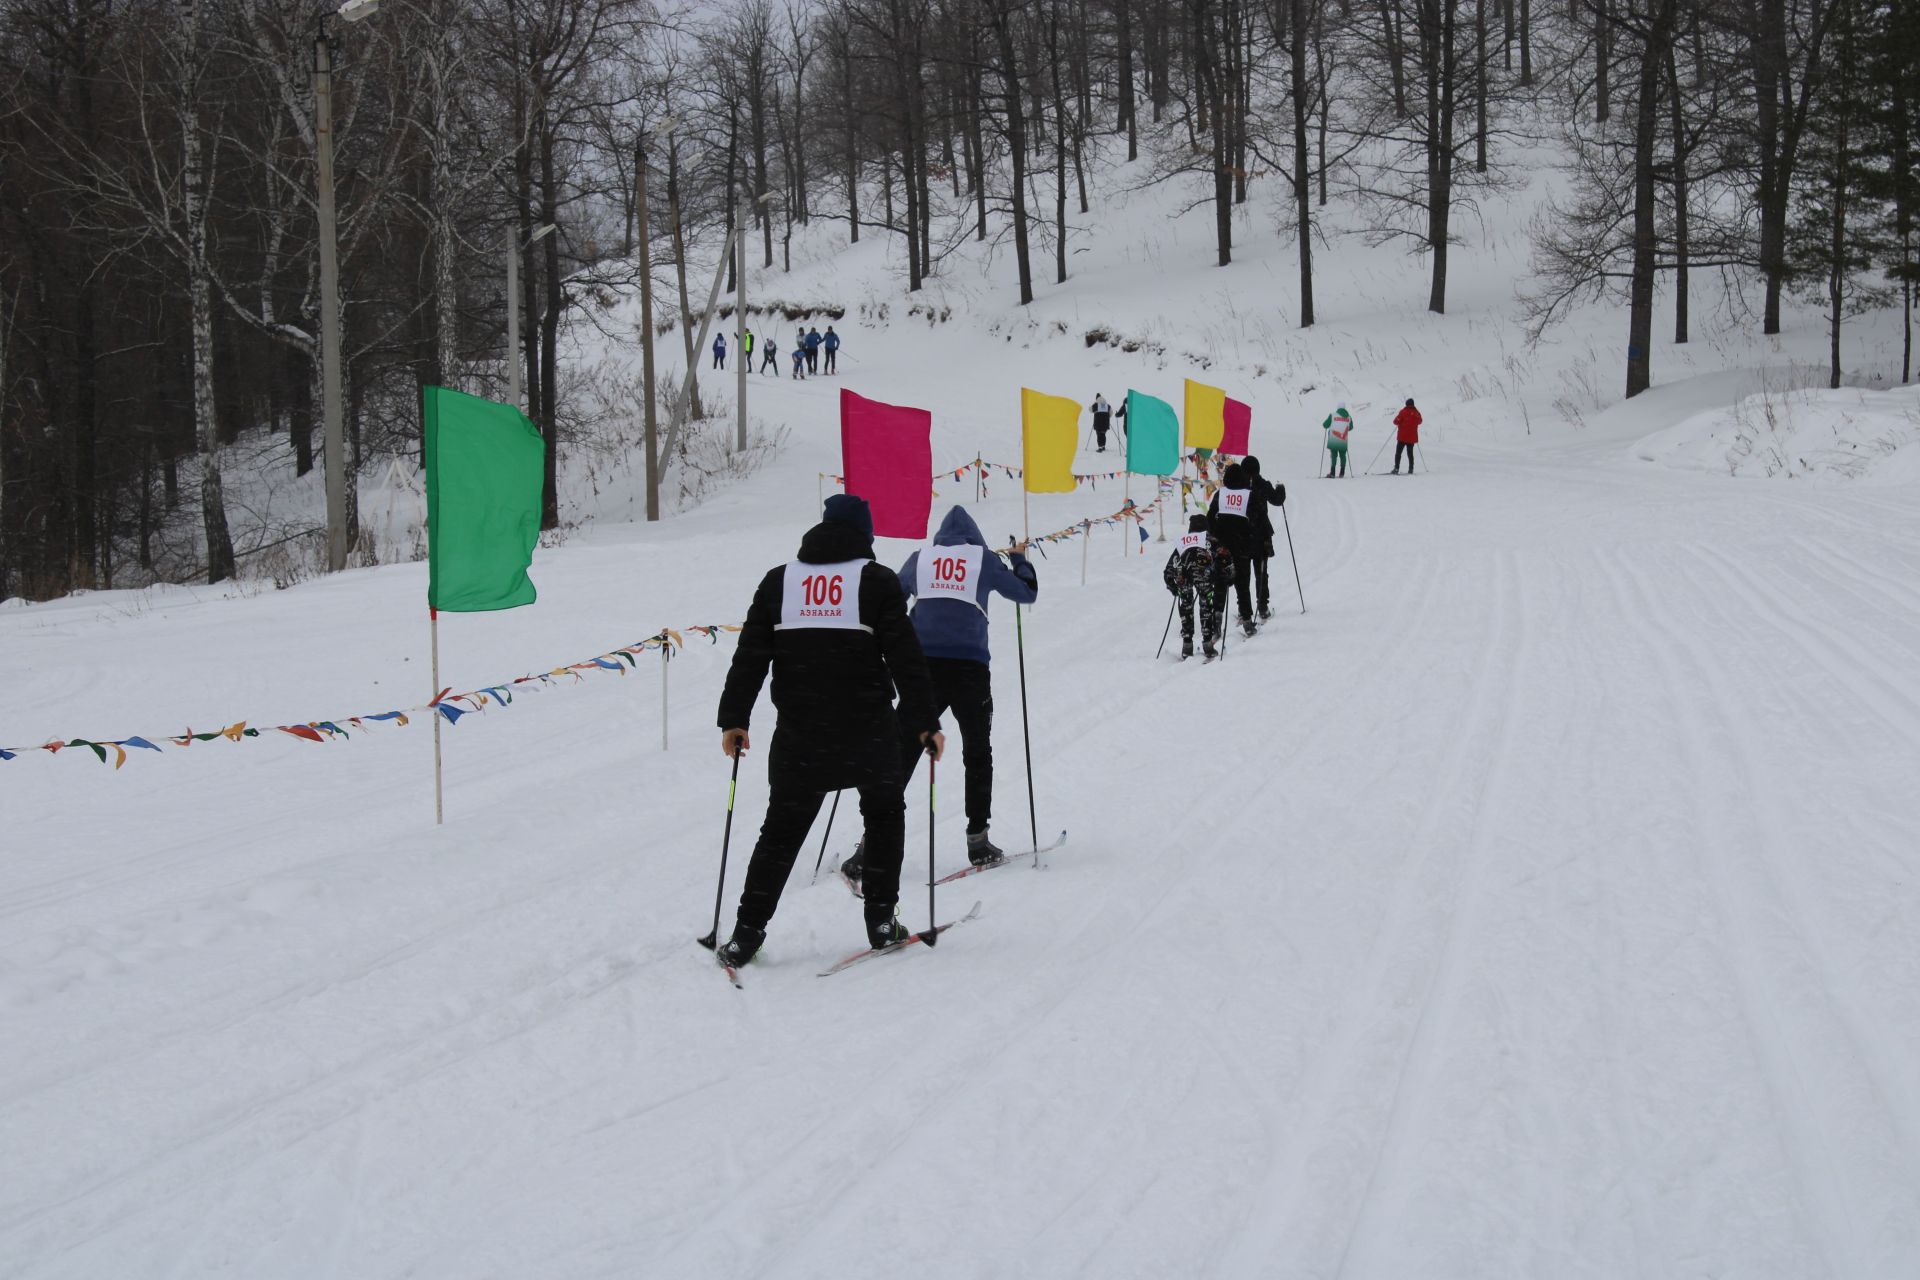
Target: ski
925, 935
972, 869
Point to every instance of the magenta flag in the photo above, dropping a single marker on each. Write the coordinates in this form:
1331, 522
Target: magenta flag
1234, 439
886, 451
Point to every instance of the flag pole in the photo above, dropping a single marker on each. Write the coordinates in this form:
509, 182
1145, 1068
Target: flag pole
433, 626
666, 656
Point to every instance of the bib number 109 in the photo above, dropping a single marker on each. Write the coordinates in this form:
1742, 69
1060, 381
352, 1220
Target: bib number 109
949, 570
824, 589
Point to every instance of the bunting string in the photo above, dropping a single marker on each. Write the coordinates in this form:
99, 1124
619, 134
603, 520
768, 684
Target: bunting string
448, 705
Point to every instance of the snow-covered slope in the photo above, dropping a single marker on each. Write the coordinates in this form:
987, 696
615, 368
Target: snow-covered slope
1540, 902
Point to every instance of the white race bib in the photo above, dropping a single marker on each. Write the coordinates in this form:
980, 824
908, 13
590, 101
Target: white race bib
950, 573
1189, 541
1233, 502
822, 595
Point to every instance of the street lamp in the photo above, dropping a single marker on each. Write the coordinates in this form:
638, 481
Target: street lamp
516, 247
333, 439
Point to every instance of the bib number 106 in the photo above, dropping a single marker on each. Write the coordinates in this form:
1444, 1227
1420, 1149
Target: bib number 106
824, 589
950, 569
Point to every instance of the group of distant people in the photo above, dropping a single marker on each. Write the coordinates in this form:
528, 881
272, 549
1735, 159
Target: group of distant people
1339, 427
808, 348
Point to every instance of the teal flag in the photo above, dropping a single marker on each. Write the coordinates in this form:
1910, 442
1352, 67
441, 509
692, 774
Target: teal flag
1153, 436
485, 466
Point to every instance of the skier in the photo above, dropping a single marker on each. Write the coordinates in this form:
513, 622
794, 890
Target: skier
719, 350
800, 362
952, 582
813, 350
745, 339
1199, 571
832, 625
1230, 521
832, 344
1407, 422
1263, 494
770, 360
1102, 419
1338, 426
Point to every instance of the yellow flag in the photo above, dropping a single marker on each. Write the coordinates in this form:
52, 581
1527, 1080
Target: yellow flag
1050, 426
1206, 416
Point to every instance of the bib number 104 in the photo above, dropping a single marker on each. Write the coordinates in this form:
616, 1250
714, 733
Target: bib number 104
824, 589
950, 570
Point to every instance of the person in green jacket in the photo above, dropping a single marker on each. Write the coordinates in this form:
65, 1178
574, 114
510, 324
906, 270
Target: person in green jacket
1338, 426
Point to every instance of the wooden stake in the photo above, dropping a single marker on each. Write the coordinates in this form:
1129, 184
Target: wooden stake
439, 806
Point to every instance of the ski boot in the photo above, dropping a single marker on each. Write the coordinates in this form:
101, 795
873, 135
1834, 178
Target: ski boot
852, 871
741, 947
1186, 650
982, 852
884, 928
1247, 628
1266, 614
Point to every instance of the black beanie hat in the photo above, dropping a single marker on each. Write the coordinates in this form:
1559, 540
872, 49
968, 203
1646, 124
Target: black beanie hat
1196, 523
846, 509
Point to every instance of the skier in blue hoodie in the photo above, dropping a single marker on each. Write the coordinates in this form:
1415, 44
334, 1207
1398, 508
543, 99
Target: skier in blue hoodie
950, 583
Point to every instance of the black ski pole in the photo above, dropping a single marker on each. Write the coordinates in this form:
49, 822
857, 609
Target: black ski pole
1166, 631
1296, 562
823, 838
712, 940
933, 921
1026, 738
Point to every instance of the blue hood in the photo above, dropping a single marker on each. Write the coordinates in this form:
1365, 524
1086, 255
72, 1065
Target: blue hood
954, 628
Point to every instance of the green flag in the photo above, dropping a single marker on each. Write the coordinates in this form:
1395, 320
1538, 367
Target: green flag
1153, 436
484, 471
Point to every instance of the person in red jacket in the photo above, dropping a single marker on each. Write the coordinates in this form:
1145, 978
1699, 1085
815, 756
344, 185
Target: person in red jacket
1408, 423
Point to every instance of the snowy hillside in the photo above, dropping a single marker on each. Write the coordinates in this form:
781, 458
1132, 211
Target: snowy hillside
1542, 901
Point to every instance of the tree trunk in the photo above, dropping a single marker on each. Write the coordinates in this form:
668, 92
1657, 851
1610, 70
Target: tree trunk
1681, 231
1440, 71
680, 274
1526, 44
1059, 154
1302, 189
1391, 32
1656, 48
1124, 12
213, 507
850, 140
1016, 146
1481, 65
1769, 70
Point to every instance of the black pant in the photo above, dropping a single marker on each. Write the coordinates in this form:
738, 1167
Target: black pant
719, 361
1100, 437
813, 359
1398, 449
770, 361
964, 687
1242, 587
1260, 582
831, 353
790, 815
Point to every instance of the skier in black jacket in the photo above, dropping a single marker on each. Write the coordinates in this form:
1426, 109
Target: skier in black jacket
833, 627
1230, 521
1262, 495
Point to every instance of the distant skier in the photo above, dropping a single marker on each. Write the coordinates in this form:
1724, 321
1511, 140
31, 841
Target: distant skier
1199, 573
1263, 495
1102, 420
832, 626
952, 582
719, 350
1230, 521
1338, 426
800, 363
746, 347
1407, 422
831, 345
771, 358
812, 341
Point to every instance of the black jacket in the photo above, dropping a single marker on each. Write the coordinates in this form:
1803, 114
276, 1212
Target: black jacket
833, 689
1265, 494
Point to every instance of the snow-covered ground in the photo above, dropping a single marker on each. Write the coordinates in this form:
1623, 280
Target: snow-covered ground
1541, 902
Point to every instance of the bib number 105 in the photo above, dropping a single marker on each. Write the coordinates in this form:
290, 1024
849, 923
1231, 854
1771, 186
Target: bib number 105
824, 589
950, 570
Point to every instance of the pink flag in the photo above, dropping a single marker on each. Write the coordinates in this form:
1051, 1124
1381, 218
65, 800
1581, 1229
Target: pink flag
886, 452
1239, 426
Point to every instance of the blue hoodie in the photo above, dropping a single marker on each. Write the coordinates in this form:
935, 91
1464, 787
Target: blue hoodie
953, 628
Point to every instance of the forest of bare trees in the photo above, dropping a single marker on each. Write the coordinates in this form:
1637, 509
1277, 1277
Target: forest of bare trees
160, 224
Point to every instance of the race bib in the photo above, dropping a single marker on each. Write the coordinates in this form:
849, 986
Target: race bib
1233, 502
1191, 541
1340, 429
822, 595
950, 573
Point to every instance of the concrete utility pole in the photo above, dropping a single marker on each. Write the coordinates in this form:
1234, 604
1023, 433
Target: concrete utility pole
334, 450
740, 323
646, 334
514, 249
